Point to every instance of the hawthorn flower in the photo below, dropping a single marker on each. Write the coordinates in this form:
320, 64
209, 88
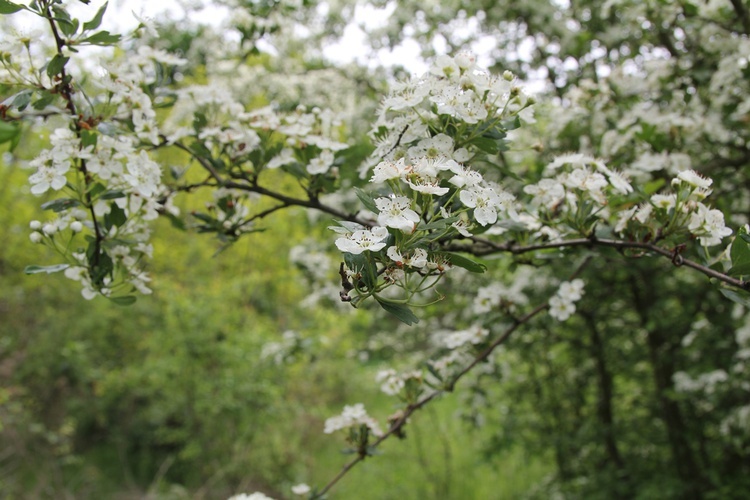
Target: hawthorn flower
474, 335
418, 258
391, 382
708, 225
465, 176
396, 212
664, 201
352, 416
485, 201
49, 174
571, 290
561, 309
546, 192
144, 174
386, 170
301, 489
363, 239
562, 304
251, 496
693, 178
427, 185
321, 164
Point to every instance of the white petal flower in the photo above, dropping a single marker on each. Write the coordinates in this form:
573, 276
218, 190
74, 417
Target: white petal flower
561, 309
396, 212
301, 489
359, 241
694, 179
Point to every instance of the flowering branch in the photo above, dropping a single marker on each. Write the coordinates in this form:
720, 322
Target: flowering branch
486, 247
397, 425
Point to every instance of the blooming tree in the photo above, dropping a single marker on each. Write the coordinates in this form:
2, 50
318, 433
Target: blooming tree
630, 167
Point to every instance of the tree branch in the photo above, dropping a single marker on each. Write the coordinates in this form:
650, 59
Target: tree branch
485, 247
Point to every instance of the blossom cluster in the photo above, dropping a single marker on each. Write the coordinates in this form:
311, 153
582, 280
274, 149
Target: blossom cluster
562, 304
353, 416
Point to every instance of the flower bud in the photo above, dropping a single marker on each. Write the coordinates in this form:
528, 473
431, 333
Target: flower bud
76, 226
35, 225
35, 237
49, 229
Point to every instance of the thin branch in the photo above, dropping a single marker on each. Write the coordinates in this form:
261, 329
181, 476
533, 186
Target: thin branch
66, 91
397, 425
253, 187
486, 247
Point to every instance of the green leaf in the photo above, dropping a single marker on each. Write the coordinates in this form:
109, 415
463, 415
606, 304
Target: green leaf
60, 204
89, 138
125, 300
742, 298
740, 254
461, 261
45, 99
7, 7
511, 123
486, 144
96, 189
742, 269
367, 200
22, 99
56, 65
112, 195
400, 311
101, 38
652, 187
115, 217
8, 132
96, 21
438, 224
46, 269
364, 266
67, 25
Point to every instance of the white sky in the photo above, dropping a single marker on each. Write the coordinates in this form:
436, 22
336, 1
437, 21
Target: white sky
121, 15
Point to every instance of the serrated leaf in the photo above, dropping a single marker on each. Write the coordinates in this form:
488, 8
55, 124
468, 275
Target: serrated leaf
7, 7
60, 204
56, 65
46, 269
367, 200
96, 21
125, 300
400, 311
464, 262
101, 38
